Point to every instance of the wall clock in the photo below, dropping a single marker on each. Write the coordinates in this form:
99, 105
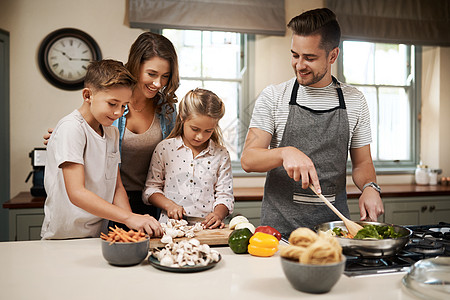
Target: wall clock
64, 55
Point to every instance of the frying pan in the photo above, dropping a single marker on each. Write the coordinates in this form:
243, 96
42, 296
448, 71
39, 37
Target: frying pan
369, 248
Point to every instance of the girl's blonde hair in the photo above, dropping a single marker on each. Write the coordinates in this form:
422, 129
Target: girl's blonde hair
199, 102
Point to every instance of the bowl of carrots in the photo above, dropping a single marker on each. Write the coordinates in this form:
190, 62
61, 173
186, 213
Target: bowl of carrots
124, 248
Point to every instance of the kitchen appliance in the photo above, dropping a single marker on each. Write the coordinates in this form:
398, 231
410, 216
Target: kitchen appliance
38, 158
426, 241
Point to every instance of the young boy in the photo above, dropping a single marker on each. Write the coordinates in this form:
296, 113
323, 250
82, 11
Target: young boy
82, 177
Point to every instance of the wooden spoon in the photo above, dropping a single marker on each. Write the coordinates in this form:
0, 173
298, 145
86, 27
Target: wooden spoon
352, 227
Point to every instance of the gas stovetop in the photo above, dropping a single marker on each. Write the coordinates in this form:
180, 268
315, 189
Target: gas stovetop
426, 241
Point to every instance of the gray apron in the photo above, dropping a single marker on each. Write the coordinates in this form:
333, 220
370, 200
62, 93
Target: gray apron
323, 136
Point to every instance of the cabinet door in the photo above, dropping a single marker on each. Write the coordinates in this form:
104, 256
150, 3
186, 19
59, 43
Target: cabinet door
353, 207
25, 224
417, 210
405, 213
438, 211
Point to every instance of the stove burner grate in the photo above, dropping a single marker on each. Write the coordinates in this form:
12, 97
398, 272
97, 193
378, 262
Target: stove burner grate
426, 241
356, 266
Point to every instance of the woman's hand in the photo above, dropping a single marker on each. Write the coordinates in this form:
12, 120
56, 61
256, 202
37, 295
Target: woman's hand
213, 220
47, 135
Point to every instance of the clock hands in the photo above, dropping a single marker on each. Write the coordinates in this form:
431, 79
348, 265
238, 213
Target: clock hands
82, 59
70, 58
63, 53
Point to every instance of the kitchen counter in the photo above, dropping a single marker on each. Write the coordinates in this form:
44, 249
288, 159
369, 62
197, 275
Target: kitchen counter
76, 269
25, 200
394, 190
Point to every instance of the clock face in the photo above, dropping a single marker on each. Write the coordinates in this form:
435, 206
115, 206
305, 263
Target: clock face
64, 56
69, 57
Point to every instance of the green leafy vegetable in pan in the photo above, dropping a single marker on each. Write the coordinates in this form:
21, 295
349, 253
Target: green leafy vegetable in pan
370, 232
377, 232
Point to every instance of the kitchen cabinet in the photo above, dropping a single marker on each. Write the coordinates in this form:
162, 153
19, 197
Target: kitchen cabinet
403, 204
417, 210
25, 224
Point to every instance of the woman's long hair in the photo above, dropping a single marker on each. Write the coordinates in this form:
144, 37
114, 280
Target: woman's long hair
147, 46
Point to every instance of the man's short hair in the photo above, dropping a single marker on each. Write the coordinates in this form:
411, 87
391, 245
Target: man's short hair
321, 21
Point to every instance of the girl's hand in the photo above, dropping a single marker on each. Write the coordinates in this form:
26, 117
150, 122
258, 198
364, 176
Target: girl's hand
175, 211
145, 223
213, 220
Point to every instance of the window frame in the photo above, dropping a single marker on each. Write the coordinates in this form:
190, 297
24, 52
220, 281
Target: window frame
396, 166
244, 102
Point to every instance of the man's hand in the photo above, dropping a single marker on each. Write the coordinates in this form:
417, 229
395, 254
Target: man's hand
299, 166
370, 205
256, 157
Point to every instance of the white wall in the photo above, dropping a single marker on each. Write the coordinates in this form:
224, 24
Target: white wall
37, 105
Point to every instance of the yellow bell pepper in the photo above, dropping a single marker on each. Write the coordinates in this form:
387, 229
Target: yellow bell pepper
263, 244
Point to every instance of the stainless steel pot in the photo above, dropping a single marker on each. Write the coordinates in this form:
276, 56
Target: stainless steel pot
369, 248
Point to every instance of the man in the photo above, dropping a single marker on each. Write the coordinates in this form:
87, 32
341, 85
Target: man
310, 122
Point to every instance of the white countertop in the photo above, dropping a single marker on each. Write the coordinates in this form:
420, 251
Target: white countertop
76, 269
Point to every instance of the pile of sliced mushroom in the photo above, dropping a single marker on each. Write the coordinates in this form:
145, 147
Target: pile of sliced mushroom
178, 228
186, 253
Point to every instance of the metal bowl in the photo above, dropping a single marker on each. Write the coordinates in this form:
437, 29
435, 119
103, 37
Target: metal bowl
369, 248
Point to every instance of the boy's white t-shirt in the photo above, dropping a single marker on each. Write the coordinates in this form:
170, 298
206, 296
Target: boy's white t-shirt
73, 140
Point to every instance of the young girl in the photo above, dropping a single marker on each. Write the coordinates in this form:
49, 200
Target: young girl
190, 171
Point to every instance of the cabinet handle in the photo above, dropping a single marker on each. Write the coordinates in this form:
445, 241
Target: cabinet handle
432, 207
424, 208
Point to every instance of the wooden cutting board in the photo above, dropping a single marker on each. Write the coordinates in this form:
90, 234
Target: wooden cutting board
212, 237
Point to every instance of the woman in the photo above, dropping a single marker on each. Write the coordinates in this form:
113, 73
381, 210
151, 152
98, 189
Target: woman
150, 115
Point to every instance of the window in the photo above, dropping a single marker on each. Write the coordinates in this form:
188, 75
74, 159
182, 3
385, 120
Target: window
386, 75
216, 61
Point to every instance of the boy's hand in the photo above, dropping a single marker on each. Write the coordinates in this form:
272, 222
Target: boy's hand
213, 220
145, 223
175, 211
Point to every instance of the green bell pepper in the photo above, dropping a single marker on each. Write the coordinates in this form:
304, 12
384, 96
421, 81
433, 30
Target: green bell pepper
239, 240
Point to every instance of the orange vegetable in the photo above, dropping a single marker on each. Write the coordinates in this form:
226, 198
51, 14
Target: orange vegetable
119, 235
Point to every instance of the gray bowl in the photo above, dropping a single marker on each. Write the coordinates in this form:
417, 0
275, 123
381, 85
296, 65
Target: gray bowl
125, 254
316, 279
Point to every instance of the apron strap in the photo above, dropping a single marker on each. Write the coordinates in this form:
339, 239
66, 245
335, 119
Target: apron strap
293, 100
339, 91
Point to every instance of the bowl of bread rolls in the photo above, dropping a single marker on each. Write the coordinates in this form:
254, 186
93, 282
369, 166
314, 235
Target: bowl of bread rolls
312, 263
